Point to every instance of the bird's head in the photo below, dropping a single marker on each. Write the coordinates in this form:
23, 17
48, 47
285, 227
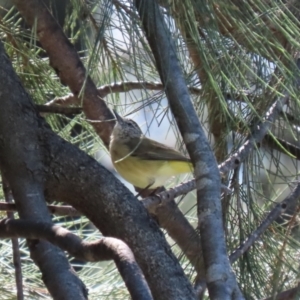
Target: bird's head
125, 129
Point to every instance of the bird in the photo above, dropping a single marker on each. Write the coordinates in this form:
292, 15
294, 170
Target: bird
143, 162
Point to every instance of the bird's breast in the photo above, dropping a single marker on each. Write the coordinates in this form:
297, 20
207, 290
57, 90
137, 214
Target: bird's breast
143, 173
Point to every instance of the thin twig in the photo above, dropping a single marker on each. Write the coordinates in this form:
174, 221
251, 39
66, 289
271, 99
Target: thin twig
118, 87
273, 215
15, 243
281, 145
59, 210
291, 294
258, 134
126, 86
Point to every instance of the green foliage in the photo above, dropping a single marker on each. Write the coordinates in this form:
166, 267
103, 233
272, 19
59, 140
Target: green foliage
239, 73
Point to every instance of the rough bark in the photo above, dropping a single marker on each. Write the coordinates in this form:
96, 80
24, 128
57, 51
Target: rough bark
21, 162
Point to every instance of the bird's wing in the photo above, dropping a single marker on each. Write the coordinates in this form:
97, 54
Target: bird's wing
151, 150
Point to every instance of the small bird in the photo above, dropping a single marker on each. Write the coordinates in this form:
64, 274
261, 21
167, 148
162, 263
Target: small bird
141, 161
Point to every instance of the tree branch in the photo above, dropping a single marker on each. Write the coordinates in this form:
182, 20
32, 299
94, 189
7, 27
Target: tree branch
59, 210
281, 145
101, 250
291, 294
205, 167
15, 243
258, 134
181, 231
118, 87
279, 209
21, 162
97, 194
169, 217
65, 61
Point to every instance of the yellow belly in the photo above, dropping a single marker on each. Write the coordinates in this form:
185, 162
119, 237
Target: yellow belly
150, 173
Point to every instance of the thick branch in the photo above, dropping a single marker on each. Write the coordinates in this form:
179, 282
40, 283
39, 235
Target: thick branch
103, 249
21, 161
182, 232
77, 179
206, 171
65, 61
169, 217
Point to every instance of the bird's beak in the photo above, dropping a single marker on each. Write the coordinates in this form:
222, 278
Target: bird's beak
118, 117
